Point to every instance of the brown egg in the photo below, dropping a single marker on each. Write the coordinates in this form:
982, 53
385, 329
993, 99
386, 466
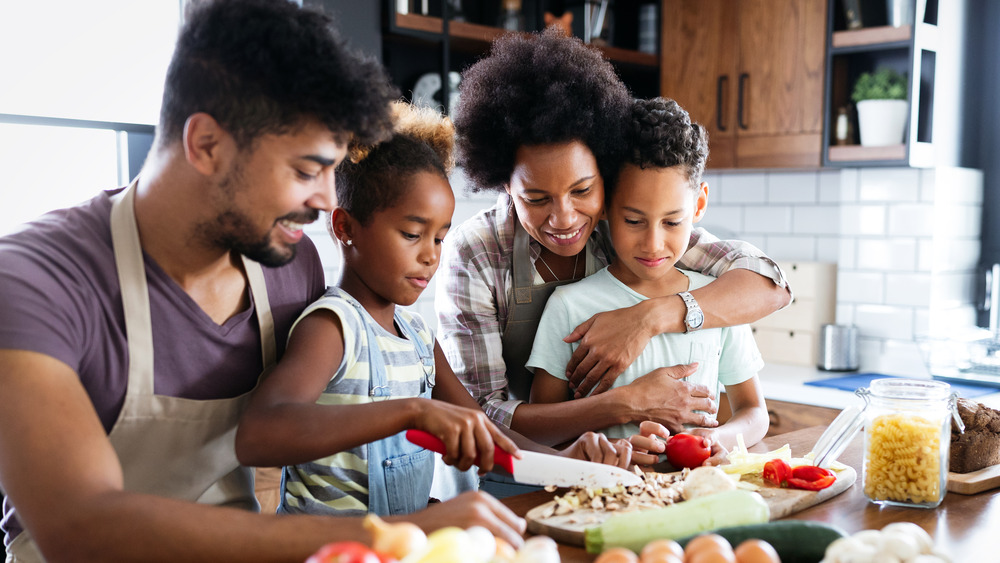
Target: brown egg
661, 551
617, 555
708, 542
711, 555
756, 551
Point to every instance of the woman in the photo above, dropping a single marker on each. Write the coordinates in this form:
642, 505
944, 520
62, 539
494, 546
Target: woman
541, 121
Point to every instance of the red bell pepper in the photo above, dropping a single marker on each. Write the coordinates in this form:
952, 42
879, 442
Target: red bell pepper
777, 472
811, 478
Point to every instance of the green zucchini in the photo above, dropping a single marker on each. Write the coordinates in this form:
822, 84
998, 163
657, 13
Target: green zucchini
796, 541
635, 529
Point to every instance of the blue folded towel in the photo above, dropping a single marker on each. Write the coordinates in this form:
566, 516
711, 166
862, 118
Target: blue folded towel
858, 380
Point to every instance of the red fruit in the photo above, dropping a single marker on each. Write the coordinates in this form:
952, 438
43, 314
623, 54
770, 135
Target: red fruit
687, 450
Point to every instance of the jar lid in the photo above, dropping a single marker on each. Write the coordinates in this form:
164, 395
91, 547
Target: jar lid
835, 438
910, 389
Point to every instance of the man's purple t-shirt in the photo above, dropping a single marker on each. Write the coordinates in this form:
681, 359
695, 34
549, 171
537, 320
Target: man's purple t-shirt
59, 296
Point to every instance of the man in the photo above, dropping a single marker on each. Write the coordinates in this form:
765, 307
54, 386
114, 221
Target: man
133, 326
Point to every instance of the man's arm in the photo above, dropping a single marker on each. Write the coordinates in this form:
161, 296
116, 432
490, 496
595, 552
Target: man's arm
61, 473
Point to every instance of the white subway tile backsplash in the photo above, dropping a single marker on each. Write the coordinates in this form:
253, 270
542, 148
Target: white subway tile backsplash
860, 287
884, 321
910, 289
747, 188
828, 249
845, 313
714, 187
728, 218
902, 357
912, 220
848, 253
792, 187
889, 184
791, 248
863, 219
816, 219
829, 186
767, 219
849, 185
893, 255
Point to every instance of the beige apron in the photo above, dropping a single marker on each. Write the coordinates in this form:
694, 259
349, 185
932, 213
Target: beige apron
170, 446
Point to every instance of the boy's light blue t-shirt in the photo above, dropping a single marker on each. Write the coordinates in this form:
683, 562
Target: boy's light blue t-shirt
725, 356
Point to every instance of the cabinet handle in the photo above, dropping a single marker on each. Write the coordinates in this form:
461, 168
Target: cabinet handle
723, 78
739, 108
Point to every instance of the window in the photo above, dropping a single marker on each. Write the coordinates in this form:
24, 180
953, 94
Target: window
82, 83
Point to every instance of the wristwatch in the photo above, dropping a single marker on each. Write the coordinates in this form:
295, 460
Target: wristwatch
694, 317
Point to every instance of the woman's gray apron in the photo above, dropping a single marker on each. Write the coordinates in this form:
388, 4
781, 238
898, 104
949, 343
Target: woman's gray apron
525, 304
170, 446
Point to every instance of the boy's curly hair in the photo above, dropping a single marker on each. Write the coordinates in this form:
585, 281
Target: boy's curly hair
264, 67
374, 177
662, 135
538, 89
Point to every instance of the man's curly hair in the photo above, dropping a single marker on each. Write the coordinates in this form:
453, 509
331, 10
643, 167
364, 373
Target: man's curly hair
538, 89
264, 67
374, 177
662, 135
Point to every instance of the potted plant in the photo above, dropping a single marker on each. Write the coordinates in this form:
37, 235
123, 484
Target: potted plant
882, 108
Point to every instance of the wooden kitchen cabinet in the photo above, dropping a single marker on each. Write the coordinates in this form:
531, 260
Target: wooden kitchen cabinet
785, 416
751, 72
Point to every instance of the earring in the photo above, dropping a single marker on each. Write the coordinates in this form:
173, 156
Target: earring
349, 242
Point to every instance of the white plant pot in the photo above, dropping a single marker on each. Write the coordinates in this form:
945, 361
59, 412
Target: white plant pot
882, 122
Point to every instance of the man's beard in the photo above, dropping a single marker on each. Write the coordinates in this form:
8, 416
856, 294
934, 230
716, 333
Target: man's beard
236, 232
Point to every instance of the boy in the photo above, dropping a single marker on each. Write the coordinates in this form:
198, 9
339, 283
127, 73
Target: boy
651, 211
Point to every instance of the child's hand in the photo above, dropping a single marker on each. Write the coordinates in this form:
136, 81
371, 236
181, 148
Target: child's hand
648, 443
468, 434
594, 446
720, 454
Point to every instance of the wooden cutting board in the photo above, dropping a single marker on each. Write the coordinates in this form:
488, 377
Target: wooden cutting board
569, 528
975, 482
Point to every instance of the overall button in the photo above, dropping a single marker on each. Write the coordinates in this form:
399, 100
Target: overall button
387, 463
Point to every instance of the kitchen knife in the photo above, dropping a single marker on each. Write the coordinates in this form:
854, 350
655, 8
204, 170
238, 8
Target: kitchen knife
544, 469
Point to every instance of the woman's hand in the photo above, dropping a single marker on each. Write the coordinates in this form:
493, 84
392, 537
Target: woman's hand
660, 396
609, 343
649, 443
594, 446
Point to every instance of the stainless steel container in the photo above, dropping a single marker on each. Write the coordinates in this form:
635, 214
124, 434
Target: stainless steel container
838, 348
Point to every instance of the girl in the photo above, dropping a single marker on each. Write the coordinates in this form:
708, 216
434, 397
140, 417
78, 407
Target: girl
359, 370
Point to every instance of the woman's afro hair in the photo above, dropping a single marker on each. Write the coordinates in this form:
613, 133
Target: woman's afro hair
373, 177
537, 89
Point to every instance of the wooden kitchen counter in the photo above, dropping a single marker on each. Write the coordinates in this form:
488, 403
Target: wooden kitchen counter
962, 526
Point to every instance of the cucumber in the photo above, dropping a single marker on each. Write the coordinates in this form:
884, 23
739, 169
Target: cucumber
796, 541
635, 529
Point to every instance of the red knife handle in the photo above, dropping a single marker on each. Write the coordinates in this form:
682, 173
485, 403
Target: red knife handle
433, 443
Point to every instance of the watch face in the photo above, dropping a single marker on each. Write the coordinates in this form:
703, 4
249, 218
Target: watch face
695, 319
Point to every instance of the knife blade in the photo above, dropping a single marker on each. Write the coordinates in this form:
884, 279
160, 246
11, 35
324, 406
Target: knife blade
544, 469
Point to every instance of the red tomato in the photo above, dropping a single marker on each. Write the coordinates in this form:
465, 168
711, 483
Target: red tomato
686, 450
776, 472
345, 552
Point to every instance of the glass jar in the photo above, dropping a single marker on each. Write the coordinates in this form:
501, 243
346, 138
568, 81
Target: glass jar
907, 438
